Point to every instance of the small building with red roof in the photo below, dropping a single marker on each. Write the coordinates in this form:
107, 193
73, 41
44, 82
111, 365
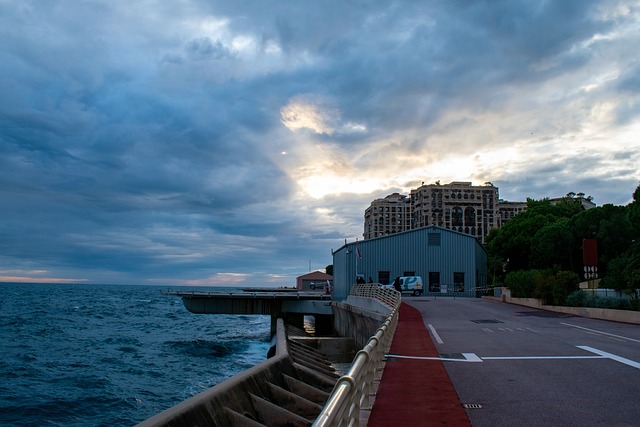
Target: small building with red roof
316, 281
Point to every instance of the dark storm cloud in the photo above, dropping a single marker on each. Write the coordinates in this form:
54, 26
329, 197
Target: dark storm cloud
146, 142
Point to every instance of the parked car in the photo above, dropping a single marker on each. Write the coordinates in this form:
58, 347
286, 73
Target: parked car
412, 284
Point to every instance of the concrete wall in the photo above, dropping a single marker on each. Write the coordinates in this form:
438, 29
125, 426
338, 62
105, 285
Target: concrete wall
355, 322
208, 407
624, 316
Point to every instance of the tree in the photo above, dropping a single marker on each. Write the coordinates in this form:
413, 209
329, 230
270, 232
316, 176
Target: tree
514, 239
544, 247
608, 224
613, 232
553, 246
329, 269
616, 277
634, 214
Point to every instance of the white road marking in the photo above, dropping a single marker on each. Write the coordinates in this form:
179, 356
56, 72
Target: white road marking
597, 334
435, 334
604, 354
538, 357
468, 357
472, 357
400, 356
600, 332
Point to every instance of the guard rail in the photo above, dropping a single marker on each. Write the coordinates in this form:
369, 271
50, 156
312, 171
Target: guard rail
352, 391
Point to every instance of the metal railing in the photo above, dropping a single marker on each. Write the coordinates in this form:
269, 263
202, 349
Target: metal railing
352, 391
388, 296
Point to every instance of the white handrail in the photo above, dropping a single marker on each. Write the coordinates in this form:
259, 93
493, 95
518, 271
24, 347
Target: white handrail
351, 392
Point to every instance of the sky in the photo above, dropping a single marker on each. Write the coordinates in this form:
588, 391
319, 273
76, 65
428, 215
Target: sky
236, 143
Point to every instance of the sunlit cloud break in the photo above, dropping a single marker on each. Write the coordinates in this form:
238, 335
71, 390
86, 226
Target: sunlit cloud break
235, 143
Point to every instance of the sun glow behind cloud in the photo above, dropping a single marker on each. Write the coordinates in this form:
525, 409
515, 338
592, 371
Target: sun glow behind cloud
178, 149
307, 112
331, 183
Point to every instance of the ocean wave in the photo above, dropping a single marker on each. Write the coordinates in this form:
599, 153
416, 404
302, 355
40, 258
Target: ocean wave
112, 355
204, 348
56, 412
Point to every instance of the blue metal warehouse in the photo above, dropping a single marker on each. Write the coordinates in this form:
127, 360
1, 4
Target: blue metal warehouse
448, 261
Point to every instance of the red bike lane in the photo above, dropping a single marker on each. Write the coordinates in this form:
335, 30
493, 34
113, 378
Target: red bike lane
415, 392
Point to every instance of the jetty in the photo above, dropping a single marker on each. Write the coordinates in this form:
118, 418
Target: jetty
287, 304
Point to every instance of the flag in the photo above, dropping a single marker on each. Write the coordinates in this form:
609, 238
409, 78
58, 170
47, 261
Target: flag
358, 250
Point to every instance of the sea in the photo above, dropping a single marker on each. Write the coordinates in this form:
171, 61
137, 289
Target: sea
113, 355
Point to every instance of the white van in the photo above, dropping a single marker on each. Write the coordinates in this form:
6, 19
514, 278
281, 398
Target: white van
411, 284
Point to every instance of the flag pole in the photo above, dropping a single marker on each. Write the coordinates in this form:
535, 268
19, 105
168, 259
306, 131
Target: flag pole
357, 253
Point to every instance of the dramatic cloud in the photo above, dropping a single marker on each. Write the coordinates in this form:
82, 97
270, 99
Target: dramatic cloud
238, 142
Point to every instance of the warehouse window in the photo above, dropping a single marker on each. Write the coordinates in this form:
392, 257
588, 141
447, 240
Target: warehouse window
434, 239
458, 282
434, 281
383, 277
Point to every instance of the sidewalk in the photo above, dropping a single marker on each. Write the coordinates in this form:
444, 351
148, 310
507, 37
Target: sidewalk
415, 392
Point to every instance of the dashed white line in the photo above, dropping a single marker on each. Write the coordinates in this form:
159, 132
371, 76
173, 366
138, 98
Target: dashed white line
435, 334
600, 332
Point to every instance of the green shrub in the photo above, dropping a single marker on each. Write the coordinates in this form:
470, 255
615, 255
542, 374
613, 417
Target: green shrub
543, 285
583, 299
577, 299
564, 283
522, 283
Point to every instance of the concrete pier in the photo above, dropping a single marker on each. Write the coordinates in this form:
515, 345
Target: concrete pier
292, 306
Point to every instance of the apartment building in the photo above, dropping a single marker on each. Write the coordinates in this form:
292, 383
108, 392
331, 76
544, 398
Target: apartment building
458, 206
507, 210
387, 216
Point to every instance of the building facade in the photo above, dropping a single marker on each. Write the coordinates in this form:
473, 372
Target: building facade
387, 216
507, 210
458, 206
448, 261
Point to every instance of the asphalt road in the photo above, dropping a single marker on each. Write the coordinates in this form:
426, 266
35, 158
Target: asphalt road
518, 366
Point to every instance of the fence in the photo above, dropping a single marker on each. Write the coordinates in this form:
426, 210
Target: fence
455, 291
351, 392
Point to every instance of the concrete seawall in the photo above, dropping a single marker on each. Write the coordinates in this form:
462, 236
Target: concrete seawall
287, 389
359, 318
291, 387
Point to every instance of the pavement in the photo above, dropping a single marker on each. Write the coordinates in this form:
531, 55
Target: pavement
415, 392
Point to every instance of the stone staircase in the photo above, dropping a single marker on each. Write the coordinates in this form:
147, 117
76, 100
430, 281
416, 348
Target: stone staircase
288, 389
